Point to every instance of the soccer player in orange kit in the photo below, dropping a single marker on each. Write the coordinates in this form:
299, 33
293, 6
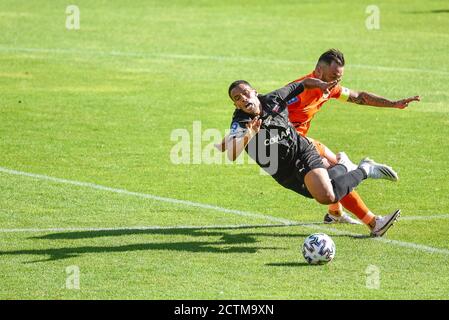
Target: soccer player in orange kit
303, 107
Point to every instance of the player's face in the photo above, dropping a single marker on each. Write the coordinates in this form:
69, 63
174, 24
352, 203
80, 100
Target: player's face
329, 73
245, 98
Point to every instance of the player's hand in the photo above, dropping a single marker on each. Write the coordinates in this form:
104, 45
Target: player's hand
254, 125
325, 87
220, 146
402, 104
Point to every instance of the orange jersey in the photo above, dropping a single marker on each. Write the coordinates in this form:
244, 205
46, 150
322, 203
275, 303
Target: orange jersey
303, 107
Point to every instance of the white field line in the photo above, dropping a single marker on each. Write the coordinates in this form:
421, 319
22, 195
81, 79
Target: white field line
167, 56
284, 222
148, 196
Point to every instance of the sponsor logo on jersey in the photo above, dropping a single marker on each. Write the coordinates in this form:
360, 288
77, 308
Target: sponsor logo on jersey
289, 102
277, 138
234, 127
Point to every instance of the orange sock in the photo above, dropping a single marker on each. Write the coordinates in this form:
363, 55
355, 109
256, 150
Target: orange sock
354, 203
335, 209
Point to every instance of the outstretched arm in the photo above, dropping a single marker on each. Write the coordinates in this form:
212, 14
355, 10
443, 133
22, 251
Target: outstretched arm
370, 99
325, 87
295, 88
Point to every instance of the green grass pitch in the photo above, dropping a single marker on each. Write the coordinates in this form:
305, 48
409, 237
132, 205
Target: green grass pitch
98, 105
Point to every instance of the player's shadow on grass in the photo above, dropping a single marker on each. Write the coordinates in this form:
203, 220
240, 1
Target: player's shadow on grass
288, 264
227, 242
188, 246
188, 231
429, 11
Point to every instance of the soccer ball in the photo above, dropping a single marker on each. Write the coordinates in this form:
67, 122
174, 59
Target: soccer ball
318, 248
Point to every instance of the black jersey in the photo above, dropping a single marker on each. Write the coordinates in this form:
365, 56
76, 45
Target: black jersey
277, 147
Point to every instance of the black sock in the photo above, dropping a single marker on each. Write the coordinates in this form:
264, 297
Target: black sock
345, 183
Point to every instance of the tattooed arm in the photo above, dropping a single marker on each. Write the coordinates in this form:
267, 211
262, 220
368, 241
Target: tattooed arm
370, 99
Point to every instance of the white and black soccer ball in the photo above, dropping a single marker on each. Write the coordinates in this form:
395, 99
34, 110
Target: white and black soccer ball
318, 248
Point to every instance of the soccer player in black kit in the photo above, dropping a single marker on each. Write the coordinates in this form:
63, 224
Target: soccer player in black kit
260, 125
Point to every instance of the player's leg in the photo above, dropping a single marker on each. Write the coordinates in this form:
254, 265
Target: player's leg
329, 159
378, 225
335, 212
352, 202
319, 185
315, 176
325, 191
329, 186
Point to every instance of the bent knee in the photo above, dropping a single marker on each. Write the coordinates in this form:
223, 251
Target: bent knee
326, 198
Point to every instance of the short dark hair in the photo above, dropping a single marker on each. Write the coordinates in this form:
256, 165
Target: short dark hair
236, 84
333, 55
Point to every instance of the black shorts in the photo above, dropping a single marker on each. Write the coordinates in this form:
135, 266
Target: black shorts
307, 160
